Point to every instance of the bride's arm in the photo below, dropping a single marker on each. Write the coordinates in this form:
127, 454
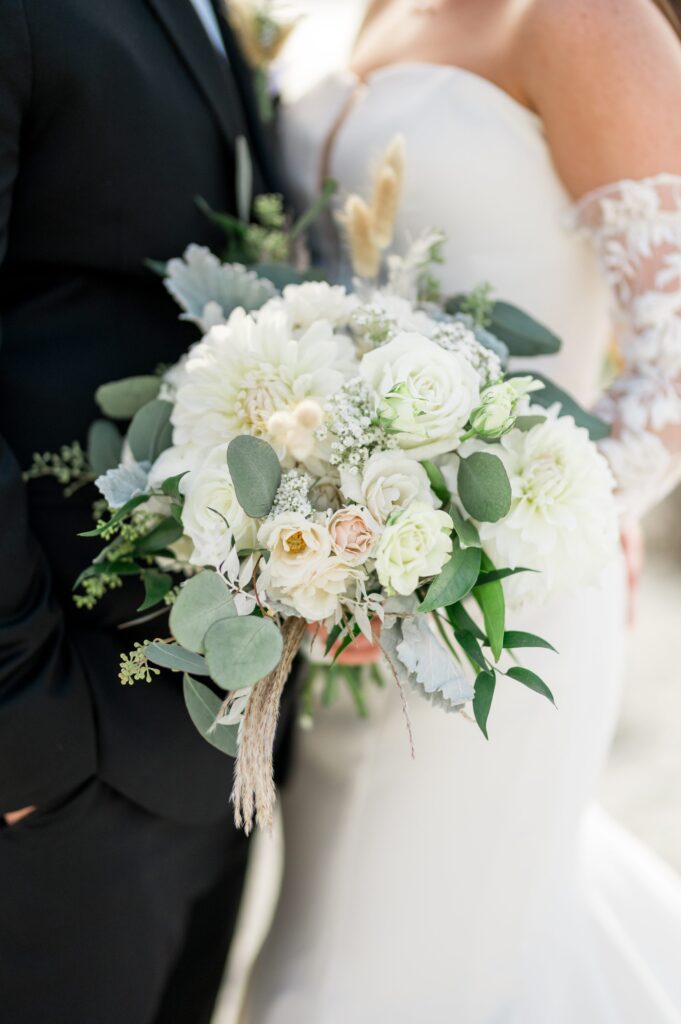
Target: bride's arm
606, 78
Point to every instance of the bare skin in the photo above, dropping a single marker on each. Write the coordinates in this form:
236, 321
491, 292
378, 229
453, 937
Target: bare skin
603, 75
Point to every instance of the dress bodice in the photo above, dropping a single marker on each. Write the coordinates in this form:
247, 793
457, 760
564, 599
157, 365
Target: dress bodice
477, 166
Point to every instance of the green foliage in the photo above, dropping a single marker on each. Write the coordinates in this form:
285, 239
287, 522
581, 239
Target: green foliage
156, 585
121, 399
95, 587
176, 658
68, 466
484, 487
437, 482
151, 431
531, 680
522, 334
256, 474
241, 651
135, 668
204, 707
104, 446
203, 600
167, 532
490, 600
485, 684
465, 530
456, 580
109, 527
552, 394
514, 638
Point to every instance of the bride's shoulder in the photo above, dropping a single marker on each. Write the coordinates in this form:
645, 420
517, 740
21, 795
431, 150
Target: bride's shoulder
605, 76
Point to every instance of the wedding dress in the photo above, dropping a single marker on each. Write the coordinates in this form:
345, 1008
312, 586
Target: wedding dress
477, 884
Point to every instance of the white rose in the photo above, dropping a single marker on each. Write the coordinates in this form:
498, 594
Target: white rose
211, 512
563, 519
414, 546
390, 481
427, 394
297, 546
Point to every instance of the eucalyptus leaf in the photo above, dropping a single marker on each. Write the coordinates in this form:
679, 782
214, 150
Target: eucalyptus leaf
484, 487
104, 446
244, 178
531, 680
204, 707
485, 684
521, 333
456, 579
121, 399
243, 650
156, 585
176, 658
256, 474
551, 394
151, 431
526, 423
203, 600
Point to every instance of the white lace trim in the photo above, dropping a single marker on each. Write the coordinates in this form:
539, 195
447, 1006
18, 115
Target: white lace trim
636, 229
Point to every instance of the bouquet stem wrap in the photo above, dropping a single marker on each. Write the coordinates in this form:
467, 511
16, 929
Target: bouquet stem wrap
254, 794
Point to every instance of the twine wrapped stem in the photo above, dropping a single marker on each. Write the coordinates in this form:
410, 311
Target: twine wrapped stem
254, 794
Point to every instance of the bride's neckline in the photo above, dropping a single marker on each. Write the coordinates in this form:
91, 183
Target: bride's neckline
358, 84
453, 70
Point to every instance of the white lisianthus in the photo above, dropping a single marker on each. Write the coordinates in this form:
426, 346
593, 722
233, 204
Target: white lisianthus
414, 546
243, 373
500, 406
172, 462
311, 301
563, 519
427, 394
298, 548
390, 481
212, 516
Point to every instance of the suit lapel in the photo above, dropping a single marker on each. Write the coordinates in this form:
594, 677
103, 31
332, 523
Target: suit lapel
209, 71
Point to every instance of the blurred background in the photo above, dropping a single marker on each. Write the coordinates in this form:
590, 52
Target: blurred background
641, 787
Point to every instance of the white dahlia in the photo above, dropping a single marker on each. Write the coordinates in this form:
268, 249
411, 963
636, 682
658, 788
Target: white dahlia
563, 519
311, 301
244, 374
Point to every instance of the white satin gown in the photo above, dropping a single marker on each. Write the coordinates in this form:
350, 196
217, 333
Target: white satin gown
476, 884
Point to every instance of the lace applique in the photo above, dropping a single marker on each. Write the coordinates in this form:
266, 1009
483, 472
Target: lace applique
636, 228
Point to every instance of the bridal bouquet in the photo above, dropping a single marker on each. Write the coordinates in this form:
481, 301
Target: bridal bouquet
343, 462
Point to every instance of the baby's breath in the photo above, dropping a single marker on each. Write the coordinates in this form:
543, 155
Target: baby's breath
353, 423
456, 336
293, 494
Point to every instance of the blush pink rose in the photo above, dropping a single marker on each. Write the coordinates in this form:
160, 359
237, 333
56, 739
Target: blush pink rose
353, 533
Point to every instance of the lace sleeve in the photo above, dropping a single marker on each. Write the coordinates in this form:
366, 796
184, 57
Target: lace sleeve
636, 228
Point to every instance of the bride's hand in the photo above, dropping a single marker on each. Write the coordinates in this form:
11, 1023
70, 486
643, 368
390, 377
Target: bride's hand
633, 545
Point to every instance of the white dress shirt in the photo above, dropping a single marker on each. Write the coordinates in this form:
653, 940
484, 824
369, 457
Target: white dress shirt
205, 11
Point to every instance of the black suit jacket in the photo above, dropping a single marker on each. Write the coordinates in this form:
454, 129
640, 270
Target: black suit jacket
113, 117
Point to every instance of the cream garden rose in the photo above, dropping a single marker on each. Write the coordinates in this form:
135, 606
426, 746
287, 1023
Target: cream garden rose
414, 546
427, 394
298, 547
391, 480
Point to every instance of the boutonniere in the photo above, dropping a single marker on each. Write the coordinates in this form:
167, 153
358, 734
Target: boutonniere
262, 37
